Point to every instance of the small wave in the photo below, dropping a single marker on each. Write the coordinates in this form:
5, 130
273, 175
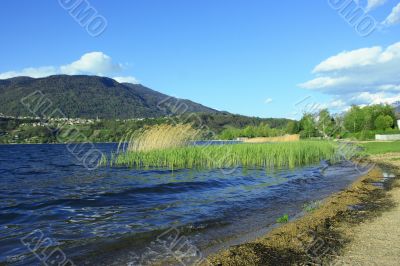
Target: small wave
168, 188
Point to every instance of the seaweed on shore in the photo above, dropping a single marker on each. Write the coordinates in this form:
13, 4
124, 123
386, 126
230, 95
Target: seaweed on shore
318, 237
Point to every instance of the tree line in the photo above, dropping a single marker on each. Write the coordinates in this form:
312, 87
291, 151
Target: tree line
358, 122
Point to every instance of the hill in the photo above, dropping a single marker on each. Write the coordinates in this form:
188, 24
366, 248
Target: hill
84, 98
92, 97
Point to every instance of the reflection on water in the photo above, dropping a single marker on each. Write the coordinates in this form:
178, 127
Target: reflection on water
98, 216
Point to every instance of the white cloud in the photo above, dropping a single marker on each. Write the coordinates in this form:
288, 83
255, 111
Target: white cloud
375, 98
349, 59
93, 63
268, 101
394, 16
30, 72
323, 82
337, 104
363, 76
389, 87
372, 4
126, 79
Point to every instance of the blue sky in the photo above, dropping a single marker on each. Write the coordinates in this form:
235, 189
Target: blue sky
249, 57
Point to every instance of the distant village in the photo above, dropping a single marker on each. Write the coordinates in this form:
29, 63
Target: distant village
62, 120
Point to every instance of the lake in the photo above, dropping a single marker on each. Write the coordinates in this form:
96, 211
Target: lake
122, 216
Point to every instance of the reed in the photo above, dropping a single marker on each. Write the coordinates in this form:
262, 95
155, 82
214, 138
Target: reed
265, 155
286, 138
161, 137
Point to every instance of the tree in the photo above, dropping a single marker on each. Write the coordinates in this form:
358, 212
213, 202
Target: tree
308, 126
293, 127
249, 132
372, 112
359, 119
325, 123
383, 122
389, 121
356, 119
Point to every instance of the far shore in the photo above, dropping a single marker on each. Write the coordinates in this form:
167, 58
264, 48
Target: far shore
102, 142
58, 143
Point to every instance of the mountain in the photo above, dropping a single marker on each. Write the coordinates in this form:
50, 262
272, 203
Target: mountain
92, 97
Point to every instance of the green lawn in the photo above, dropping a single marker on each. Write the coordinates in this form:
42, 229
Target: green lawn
381, 147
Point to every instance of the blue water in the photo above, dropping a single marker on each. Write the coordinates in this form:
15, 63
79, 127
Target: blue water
105, 215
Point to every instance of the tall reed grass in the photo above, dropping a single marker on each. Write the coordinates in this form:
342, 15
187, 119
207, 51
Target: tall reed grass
161, 137
276, 155
286, 138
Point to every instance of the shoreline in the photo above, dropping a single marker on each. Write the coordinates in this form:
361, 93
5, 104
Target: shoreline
321, 235
102, 142
58, 143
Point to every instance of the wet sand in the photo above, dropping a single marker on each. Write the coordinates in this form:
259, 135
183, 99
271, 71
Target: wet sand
337, 232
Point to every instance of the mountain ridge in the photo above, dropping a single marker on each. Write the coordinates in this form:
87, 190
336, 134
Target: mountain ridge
84, 96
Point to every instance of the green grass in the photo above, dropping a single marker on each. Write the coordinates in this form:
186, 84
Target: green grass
283, 219
276, 155
381, 147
